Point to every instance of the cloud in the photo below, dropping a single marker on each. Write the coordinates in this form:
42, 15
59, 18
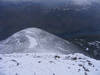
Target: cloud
84, 2
78, 2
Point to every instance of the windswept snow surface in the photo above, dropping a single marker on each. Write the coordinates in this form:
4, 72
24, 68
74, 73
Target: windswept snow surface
34, 40
48, 64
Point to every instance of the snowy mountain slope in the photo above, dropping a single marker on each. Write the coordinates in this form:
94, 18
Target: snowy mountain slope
48, 64
33, 51
37, 41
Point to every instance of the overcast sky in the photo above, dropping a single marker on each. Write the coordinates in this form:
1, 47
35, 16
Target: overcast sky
77, 2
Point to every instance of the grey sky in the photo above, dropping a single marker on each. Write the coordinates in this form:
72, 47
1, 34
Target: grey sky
74, 1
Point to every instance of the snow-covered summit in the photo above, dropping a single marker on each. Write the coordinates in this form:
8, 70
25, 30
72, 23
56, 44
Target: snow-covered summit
37, 41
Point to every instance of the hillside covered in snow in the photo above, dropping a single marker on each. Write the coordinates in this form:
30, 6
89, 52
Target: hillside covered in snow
37, 41
33, 51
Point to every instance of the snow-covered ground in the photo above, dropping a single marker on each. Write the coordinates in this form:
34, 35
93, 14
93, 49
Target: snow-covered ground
48, 64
